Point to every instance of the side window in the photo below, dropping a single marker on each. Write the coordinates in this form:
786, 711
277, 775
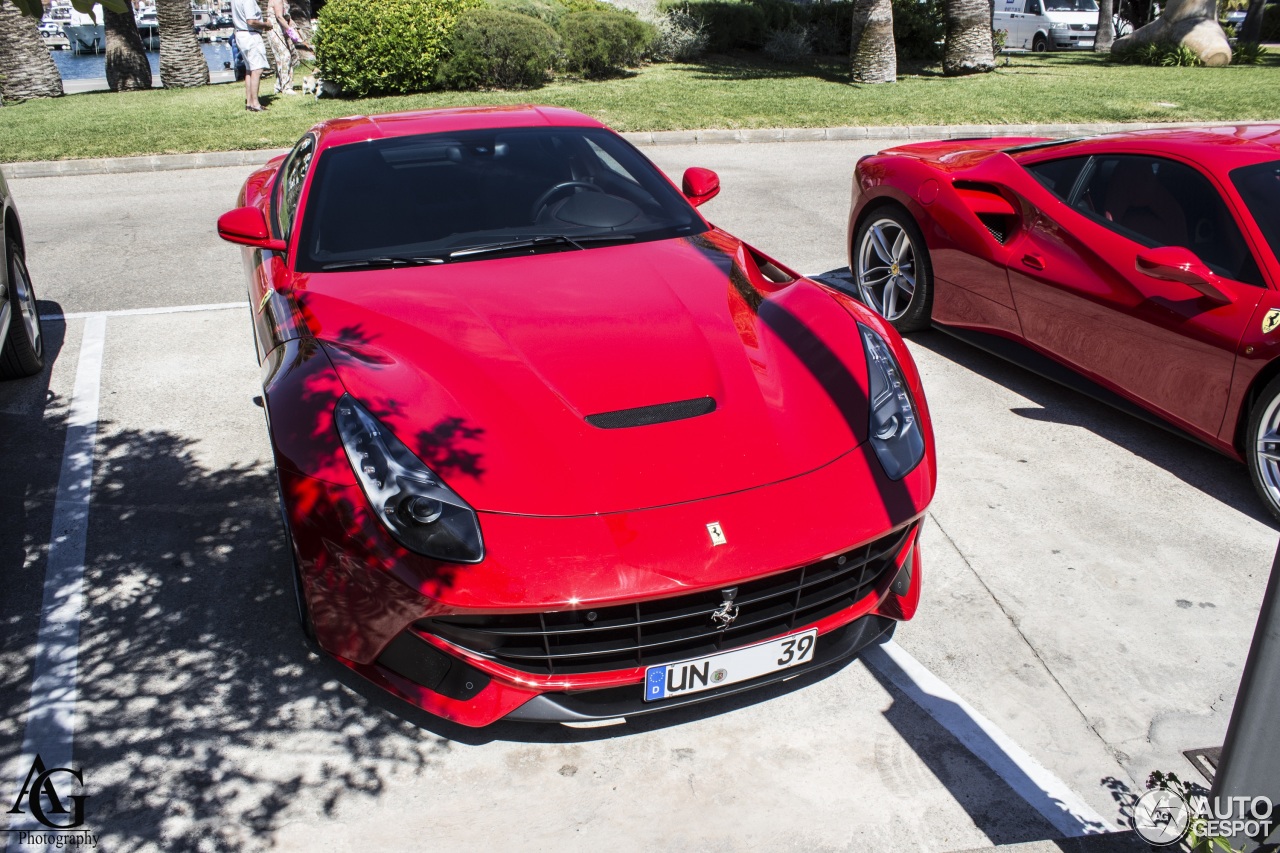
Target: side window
1159, 202
1059, 176
289, 185
1032, 7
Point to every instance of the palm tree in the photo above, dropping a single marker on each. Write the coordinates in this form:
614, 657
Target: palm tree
873, 56
182, 63
1106, 27
26, 68
1251, 29
127, 67
968, 48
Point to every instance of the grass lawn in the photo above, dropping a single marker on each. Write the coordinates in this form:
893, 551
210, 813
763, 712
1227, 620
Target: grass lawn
721, 92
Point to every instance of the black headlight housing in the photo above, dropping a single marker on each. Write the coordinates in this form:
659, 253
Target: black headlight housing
895, 432
412, 502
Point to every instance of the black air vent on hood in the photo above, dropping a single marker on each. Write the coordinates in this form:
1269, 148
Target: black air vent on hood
659, 414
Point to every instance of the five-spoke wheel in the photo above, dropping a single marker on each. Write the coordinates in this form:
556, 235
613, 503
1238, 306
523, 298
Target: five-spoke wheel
22, 353
891, 268
1262, 446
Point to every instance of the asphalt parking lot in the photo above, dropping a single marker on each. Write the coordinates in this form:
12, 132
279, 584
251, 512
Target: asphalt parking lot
1091, 584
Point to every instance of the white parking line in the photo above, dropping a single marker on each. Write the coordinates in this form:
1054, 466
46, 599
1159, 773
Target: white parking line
1044, 791
51, 712
135, 312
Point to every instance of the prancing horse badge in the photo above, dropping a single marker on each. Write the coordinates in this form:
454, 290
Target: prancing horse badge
717, 534
1271, 320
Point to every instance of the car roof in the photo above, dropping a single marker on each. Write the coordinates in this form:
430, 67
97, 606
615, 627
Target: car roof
1219, 147
343, 131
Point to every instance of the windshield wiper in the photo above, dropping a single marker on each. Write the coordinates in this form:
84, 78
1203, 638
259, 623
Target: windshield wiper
385, 261
537, 242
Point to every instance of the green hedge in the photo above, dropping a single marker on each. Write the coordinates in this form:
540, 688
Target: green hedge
601, 43
491, 48
387, 46
745, 24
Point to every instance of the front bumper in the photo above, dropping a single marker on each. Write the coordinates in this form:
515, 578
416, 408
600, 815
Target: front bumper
368, 598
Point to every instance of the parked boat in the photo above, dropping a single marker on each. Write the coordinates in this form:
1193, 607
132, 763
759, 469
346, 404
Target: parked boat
85, 32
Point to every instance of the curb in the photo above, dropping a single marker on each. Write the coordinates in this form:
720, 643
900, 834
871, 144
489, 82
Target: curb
168, 162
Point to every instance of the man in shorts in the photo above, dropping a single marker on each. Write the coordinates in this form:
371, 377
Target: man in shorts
246, 17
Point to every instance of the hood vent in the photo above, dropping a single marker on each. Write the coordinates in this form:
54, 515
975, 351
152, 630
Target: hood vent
648, 415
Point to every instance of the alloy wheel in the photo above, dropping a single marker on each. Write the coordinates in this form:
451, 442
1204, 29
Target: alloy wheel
25, 303
887, 269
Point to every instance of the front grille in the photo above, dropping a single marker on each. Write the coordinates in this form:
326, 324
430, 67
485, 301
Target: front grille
1082, 28
671, 629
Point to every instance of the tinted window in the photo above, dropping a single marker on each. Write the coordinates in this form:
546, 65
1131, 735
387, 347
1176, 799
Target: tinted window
435, 194
1072, 6
289, 186
1158, 202
1059, 176
1259, 186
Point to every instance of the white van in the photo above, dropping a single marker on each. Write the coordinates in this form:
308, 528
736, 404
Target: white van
1047, 24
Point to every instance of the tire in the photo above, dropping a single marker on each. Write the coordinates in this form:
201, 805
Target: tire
890, 260
1040, 43
1262, 446
23, 350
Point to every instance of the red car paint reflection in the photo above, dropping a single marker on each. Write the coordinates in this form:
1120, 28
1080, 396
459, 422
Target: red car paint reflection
1144, 262
563, 357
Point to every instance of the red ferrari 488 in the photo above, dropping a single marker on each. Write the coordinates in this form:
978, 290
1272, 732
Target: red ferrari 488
552, 447
1145, 263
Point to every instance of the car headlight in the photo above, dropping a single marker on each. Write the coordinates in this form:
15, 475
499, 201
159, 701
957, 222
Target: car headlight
421, 512
1059, 26
895, 428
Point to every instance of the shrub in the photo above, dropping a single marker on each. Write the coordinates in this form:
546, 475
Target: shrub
998, 39
680, 37
918, 29
387, 47
1157, 53
1271, 22
491, 48
547, 11
791, 45
1247, 53
597, 44
730, 25
832, 28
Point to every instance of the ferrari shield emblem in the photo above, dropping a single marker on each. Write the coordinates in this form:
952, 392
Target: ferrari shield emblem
1271, 320
717, 534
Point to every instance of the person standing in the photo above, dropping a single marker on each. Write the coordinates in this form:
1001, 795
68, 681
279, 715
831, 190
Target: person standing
282, 50
246, 17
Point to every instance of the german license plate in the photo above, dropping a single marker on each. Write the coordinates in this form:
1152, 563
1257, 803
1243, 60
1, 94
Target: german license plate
668, 680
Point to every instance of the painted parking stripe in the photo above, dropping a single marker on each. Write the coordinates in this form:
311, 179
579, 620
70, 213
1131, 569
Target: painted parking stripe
51, 712
1044, 791
139, 312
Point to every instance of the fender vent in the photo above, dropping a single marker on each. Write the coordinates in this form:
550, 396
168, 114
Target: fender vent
997, 225
659, 414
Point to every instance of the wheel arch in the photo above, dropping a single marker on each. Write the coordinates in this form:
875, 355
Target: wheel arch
1260, 380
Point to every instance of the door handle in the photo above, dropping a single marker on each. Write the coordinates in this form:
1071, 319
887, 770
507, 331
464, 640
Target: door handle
1034, 261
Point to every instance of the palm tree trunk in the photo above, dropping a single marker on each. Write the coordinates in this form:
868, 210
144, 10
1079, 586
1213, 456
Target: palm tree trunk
1193, 23
968, 48
182, 63
127, 66
1106, 27
873, 56
1251, 29
26, 68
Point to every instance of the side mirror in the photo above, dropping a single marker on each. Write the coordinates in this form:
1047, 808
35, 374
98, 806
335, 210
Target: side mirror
1177, 263
700, 185
247, 226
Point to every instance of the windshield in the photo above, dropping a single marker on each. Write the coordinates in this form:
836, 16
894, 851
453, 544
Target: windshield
1259, 186
434, 198
1071, 6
